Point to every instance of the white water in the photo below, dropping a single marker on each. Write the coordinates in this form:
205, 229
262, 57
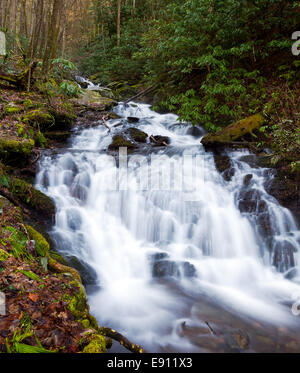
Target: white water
117, 232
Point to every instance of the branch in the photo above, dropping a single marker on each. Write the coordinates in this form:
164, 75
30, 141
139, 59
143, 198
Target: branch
108, 332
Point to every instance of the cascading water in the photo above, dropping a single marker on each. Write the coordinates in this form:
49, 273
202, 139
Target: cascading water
165, 262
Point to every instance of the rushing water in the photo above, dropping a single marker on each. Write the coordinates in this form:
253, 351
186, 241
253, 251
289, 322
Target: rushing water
167, 262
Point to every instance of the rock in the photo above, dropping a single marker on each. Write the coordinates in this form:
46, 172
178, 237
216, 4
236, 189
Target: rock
133, 119
14, 150
59, 136
94, 101
165, 268
224, 166
284, 186
32, 197
87, 273
137, 135
120, 141
41, 245
195, 131
234, 131
39, 118
160, 140
247, 180
283, 256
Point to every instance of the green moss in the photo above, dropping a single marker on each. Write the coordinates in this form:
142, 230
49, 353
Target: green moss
11, 109
12, 147
97, 345
85, 323
39, 118
32, 197
137, 135
28, 104
3, 255
41, 245
235, 131
120, 141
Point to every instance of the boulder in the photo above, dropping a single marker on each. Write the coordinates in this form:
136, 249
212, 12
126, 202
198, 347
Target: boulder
119, 141
133, 119
137, 135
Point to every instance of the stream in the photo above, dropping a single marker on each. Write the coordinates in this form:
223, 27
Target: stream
173, 256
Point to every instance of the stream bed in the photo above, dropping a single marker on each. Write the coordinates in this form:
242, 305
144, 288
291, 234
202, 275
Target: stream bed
173, 255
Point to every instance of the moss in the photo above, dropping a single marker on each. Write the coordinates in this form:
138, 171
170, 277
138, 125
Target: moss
137, 135
41, 245
235, 131
39, 118
10, 148
120, 141
11, 109
64, 117
85, 323
3, 255
97, 345
32, 197
60, 268
28, 104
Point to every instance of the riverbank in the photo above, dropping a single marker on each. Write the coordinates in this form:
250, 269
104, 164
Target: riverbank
46, 308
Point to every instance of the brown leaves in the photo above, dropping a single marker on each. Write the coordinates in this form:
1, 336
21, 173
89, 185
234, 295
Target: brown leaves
34, 297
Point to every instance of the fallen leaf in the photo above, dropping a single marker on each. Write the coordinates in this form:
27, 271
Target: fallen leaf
34, 297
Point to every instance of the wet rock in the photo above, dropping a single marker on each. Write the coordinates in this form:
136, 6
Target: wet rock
159, 256
250, 201
165, 268
224, 166
137, 135
189, 270
283, 256
195, 131
87, 273
160, 140
133, 119
247, 180
59, 136
284, 186
120, 141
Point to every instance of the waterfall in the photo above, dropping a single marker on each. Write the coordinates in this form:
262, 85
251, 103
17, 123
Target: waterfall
158, 255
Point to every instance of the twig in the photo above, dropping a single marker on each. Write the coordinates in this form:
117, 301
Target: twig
108, 332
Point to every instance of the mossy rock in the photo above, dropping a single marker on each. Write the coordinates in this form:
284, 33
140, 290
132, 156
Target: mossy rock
113, 115
119, 141
41, 245
32, 197
13, 149
63, 118
137, 135
97, 345
39, 118
4, 255
234, 131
